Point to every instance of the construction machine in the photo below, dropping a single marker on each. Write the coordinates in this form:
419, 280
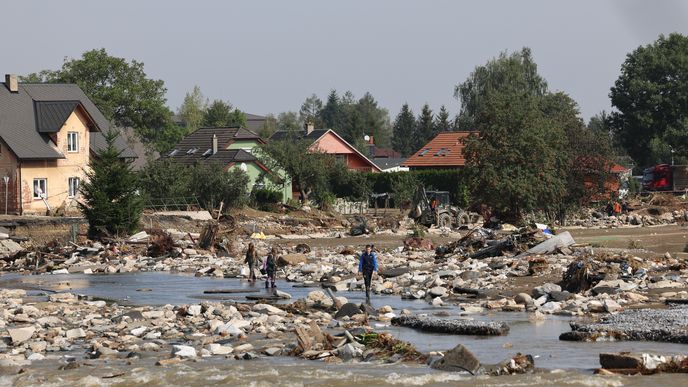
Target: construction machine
434, 208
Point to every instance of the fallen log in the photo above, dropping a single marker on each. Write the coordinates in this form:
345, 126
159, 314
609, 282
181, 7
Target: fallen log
452, 326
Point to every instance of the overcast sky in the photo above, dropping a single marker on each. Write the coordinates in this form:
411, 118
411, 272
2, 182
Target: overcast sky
268, 56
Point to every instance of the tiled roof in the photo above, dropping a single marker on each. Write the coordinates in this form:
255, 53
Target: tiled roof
198, 146
300, 134
445, 150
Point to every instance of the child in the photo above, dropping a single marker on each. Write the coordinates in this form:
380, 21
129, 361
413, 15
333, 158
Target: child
270, 267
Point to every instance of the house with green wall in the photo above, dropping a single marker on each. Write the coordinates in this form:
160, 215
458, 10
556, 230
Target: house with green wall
234, 148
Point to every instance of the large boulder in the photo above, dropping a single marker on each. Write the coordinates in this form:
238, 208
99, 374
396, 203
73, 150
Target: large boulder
348, 310
291, 259
20, 335
458, 359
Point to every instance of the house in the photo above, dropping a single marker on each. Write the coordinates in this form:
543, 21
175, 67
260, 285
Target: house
328, 141
388, 160
445, 151
48, 134
254, 122
233, 148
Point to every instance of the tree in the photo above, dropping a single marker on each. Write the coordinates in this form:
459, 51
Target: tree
374, 120
269, 127
192, 111
442, 123
166, 179
425, 129
289, 121
404, 127
310, 111
120, 89
111, 202
308, 170
651, 96
212, 184
222, 114
331, 113
515, 73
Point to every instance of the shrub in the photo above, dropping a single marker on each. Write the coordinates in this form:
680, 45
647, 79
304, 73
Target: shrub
211, 184
265, 199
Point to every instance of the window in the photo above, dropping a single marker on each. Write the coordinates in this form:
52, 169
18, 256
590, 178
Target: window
73, 186
40, 188
72, 142
426, 150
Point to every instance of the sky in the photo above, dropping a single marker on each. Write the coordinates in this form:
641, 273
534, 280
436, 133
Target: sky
268, 56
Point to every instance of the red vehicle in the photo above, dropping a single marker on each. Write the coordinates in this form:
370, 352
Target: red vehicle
665, 177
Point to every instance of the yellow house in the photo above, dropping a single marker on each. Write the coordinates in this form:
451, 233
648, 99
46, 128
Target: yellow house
48, 133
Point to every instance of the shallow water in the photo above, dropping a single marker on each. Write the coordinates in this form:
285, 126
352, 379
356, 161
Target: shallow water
540, 339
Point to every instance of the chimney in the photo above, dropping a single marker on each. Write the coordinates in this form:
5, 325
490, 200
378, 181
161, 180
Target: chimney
310, 127
370, 142
11, 83
214, 143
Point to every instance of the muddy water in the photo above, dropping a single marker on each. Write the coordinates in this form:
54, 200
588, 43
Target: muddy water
537, 338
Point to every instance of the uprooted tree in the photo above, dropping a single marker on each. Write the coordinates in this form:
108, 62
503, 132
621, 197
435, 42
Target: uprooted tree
110, 199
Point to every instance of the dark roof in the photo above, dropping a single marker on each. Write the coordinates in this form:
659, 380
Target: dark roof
20, 119
51, 115
199, 145
98, 142
386, 162
300, 134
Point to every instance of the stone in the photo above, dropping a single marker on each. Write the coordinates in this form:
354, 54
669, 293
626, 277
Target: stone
228, 329
349, 352
560, 296
437, 301
458, 359
190, 252
282, 295
102, 352
183, 351
154, 314
243, 348
347, 310
272, 351
291, 259
523, 299
545, 289
20, 335
438, 291
76, 333
193, 310
138, 331
611, 306
62, 297
469, 275
219, 349
268, 309
35, 357
550, 307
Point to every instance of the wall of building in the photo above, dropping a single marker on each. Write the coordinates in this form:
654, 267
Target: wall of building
8, 167
57, 172
329, 143
246, 145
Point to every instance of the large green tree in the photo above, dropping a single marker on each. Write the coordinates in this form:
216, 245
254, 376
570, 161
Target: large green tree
425, 128
310, 111
110, 199
192, 111
222, 114
331, 113
651, 98
508, 73
404, 128
121, 90
374, 120
442, 122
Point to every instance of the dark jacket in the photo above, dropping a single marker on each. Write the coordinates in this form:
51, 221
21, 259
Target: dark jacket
367, 263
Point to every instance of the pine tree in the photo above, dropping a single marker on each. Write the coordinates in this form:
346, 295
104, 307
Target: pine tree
425, 131
403, 129
111, 202
310, 111
442, 123
331, 113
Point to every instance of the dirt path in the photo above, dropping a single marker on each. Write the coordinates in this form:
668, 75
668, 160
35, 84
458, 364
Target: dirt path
672, 239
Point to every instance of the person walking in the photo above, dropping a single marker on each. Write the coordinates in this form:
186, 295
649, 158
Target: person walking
270, 267
251, 260
367, 265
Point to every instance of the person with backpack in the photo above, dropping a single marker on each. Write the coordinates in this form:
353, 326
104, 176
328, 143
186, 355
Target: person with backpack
270, 267
251, 260
367, 265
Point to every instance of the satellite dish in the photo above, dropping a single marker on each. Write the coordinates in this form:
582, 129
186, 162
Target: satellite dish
366, 137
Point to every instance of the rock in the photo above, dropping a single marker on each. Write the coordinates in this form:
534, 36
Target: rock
154, 314
523, 299
62, 297
20, 335
394, 272
190, 252
611, 306
193, 310
8, 247
620, 361
318, 298
268, 309
348, 310
76, 333
545, 289
183, 351
243, 348
272, 351
282, 295
138, 331
219, 349
438, 291
560, 296
550, 307
469, 275
302, 248
437, 301
291, 259
458, 359
452, 326
349, 352
35, 357
103, 352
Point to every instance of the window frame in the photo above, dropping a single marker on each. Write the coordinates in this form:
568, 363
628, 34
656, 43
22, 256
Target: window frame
75, 143
45, 186
69, 186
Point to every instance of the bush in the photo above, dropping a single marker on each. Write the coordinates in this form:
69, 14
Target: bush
211, 184
166, 179
265, 199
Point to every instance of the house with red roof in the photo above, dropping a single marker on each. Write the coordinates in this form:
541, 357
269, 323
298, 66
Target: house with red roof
445, 151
